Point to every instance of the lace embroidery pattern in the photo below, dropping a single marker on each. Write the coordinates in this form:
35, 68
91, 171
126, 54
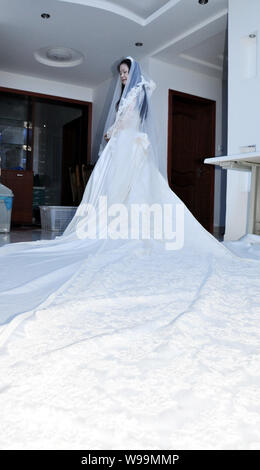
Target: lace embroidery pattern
128, 106
150, 86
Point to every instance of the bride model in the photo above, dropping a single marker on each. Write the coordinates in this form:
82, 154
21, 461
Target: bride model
143, 316
109, 217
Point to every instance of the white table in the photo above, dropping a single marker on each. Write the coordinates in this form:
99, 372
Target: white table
245, 162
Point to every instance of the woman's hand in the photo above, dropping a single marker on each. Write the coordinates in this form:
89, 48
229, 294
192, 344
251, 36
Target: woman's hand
106, 138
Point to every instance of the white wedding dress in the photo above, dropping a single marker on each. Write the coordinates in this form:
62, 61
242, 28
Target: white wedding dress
124, 174
148, 343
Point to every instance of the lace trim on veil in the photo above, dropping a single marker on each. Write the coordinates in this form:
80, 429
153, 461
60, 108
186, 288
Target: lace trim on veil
150, 86
128, 103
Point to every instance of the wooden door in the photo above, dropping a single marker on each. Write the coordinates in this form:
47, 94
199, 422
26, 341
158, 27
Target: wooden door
191, 140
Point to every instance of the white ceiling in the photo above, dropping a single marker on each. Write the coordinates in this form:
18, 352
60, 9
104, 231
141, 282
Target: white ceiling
176, 31
210, 51
142, 13
141, 8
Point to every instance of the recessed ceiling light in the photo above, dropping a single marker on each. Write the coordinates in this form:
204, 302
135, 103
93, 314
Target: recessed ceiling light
203, 2
45, 15
139, 44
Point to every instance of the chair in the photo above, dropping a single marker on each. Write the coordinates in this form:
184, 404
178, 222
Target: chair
86, 171
79, 184
73, 185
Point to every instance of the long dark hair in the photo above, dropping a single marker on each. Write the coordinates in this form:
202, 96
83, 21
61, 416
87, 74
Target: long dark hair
127, 62
144, 106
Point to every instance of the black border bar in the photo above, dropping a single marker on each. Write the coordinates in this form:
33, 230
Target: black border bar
117, 459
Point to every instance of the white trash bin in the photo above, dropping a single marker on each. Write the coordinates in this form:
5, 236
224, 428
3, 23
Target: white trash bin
6, 204
56, 218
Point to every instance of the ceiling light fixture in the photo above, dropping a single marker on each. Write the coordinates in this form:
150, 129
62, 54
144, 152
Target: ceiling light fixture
45, 16
58, 56
139, 44
252, 36
203, 2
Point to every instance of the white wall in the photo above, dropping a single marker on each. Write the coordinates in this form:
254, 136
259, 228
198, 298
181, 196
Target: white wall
244, 112
48, 87
243, 106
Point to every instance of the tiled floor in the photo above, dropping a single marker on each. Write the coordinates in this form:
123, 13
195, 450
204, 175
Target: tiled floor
26, 234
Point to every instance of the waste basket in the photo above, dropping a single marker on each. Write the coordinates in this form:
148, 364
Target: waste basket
6, 204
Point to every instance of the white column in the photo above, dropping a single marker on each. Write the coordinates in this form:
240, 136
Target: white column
243, 109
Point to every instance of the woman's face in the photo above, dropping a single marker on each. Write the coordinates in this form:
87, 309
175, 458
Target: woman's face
123, 72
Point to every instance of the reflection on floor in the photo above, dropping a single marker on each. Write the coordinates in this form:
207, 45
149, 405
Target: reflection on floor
26, 234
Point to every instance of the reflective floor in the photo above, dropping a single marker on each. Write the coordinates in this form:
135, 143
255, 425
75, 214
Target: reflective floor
26, 234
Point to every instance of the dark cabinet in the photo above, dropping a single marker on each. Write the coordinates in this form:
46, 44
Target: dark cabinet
15, 153
21, 183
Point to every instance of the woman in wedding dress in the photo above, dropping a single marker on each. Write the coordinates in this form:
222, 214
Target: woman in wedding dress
145, 316
126, 173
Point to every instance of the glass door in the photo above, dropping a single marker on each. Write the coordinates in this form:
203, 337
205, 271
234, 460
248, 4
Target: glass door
15, 132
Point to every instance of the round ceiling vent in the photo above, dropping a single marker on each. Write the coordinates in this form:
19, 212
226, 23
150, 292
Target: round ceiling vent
58, 56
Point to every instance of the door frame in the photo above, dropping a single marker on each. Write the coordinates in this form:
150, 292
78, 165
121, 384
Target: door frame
212, 103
